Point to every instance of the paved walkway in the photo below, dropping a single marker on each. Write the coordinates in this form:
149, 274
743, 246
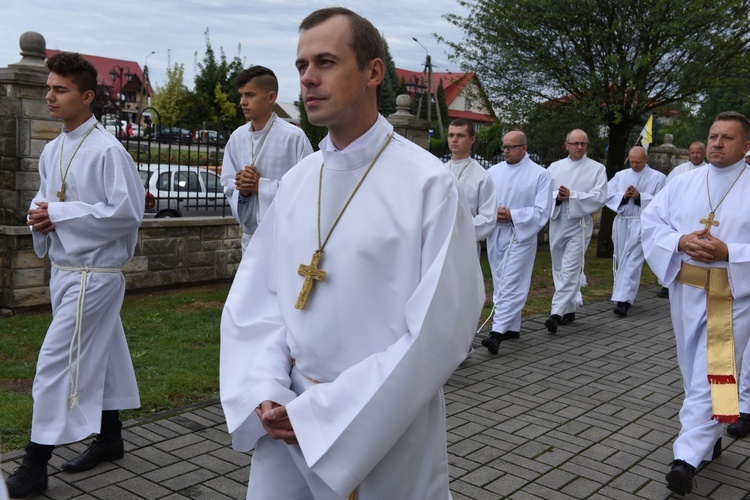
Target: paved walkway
589, 413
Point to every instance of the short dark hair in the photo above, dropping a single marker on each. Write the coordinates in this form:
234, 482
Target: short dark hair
74, 65
737, 117
462, 122
263, 76
366, 41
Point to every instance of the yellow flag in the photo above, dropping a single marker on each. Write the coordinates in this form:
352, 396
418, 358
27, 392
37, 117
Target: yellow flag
646, 136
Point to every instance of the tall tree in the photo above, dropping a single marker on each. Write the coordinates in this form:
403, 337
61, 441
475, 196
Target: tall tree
618, 58
170, 99
214, 83
391, 84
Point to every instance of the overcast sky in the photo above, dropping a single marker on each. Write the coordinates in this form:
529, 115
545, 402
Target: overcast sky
174, 29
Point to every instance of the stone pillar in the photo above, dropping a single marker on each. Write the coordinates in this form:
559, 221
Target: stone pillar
25, 127
406, 124
667, 156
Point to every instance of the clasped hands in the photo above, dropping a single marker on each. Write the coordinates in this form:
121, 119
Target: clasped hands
703, 247
563, 193
247, 180
39, 218
503, 214
631, 192
276, 422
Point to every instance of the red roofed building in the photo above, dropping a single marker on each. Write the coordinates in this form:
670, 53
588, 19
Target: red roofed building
464, 94
126, 81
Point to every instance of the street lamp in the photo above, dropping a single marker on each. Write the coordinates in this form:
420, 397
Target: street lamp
117, 72
428, 68
144, 83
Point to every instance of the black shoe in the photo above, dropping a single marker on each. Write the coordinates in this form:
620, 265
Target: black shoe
568, 318
717, 450
741, 428
681, 478
552, 322
27, 480
622, 309
492, 342
663, 293
511, 335
98, 452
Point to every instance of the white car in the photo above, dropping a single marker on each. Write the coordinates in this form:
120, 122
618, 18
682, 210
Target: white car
179, 191
111, 126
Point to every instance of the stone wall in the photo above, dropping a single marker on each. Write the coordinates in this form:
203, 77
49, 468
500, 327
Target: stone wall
170, 252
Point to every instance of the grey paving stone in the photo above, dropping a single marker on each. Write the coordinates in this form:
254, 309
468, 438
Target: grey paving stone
144, 488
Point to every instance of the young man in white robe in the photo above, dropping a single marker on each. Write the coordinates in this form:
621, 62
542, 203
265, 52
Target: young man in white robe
579, 190
260, 152
628, 193
474, 182
85, 217
696, 238
355, 300
524, 194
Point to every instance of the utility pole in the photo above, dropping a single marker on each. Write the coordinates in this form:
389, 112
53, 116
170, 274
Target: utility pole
428, 68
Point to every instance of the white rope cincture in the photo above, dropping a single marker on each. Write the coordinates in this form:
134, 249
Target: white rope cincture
502, 276
75, 341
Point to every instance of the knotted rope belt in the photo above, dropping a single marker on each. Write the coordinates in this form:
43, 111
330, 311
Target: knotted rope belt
75, 341
722, 372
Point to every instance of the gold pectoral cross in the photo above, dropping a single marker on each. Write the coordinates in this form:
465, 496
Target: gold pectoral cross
710, 221
61, 194
310, 273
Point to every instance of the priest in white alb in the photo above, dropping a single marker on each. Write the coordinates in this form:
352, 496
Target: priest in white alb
696, 159
474, 182
579, 189
524, 204
260, 152
628, 193
696, 238
355, 300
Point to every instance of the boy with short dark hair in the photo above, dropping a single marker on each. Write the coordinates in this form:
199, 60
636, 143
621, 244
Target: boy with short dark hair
260, 152
85, 217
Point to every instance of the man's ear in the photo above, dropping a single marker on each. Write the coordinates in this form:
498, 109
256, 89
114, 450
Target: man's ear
376, 69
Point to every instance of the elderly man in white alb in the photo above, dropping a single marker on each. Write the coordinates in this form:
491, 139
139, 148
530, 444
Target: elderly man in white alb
474, 182
628, 193
580, 189
356, 299
524, 194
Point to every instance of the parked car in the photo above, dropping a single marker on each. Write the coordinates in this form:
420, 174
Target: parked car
174, 134
179, 191
112, 127
210, 137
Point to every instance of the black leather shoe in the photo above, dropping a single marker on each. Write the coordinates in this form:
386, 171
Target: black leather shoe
492, 342
741, 428
568, 318
681, 478
622, 309
511, 335
663, 293
27, 480
98, 452
717, 450
552, 323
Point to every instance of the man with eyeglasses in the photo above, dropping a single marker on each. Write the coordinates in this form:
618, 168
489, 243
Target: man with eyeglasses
579, 190
524, 204
629, 192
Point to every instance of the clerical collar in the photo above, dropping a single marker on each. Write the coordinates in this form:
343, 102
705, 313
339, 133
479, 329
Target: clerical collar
575, 161
270, 121
730, 168
80, 130
362, 141
361, 154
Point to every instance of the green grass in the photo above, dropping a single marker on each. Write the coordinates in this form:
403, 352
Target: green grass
174, 342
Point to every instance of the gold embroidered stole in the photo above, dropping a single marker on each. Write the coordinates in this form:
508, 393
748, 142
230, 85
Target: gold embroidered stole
722, 372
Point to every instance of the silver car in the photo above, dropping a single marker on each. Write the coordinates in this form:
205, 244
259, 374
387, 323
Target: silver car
179, 191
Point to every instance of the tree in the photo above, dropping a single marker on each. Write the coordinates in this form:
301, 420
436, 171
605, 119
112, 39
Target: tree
170, 99
617, 59
214, 84
391, 84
